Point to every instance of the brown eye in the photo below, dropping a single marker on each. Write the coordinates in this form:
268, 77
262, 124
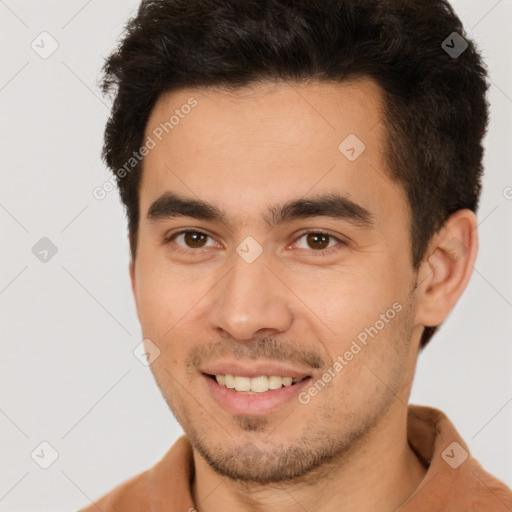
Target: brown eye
188, 241
317, 240
319, 243
194, 239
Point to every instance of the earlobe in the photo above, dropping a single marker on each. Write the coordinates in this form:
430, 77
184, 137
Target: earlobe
447, 269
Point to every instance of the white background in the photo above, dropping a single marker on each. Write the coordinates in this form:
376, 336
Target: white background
68, 326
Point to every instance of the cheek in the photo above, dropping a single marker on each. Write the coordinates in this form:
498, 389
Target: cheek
372, 362
357, 317
160, 288
150, 299
347, 300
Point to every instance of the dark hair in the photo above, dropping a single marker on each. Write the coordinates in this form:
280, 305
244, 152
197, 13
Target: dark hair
436, 111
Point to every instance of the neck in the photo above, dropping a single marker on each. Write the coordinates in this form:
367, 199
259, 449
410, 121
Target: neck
380, 474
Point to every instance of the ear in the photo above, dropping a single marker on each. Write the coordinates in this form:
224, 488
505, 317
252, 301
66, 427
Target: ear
447, 268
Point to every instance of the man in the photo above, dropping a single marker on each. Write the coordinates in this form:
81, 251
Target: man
301, 180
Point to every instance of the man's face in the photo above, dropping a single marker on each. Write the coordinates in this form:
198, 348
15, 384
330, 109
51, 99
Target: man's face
249, 297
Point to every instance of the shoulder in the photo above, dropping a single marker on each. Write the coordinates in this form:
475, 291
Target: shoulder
455, 479
487, 492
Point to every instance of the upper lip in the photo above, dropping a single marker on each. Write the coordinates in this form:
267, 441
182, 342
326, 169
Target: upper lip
253, 369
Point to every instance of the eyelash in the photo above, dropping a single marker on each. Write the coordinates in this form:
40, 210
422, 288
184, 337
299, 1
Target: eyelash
320, 252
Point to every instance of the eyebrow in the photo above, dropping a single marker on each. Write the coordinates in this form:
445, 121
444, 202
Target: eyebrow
337, 206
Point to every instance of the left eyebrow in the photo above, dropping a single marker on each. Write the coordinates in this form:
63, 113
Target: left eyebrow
336, 206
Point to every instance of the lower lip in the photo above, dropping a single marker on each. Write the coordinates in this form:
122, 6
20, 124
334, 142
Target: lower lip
253, 405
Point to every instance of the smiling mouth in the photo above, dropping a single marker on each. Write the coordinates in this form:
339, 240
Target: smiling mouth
255, 385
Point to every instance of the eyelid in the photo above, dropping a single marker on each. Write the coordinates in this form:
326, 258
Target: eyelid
308, 231
325, 252
172, 236
297, 236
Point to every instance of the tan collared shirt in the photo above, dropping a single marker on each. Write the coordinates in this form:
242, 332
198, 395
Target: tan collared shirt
455, 481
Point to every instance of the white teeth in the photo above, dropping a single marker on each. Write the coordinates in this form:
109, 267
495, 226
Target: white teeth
229, 381
275, 382
242, 383
254, 385
259, 384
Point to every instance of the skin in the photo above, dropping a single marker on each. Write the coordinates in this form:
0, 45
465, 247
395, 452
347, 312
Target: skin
246, 151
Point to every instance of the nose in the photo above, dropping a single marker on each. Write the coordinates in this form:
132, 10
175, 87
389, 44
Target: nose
251, 301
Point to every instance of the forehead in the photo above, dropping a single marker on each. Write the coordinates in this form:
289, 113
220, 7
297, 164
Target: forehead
249, 149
